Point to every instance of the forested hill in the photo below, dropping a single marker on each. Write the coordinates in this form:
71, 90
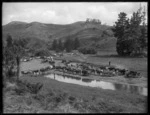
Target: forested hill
89, 33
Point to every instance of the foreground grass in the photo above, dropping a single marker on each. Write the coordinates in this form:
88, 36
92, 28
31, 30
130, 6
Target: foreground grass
58, 97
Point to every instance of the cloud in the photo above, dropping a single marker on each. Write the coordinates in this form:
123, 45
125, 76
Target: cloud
65, 13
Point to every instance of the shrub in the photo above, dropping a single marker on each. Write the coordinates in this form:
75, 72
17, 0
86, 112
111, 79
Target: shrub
87, 50
34, 88
42, 52
24, 87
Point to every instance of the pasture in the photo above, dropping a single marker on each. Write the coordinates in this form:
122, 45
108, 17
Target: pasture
33, 65
93, 99
136, 64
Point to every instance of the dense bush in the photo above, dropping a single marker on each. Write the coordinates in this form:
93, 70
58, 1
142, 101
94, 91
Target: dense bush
107, 33
87, 50
24, 87
68, 45
42, 52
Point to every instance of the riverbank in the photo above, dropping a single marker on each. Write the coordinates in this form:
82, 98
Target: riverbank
93, 99
142, 82
137, 64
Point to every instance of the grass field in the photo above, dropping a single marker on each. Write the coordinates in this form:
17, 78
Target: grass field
33, 65
59, 97
104, 56
105, 101
136, 64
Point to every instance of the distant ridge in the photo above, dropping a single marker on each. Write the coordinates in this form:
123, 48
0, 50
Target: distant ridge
85, 32
16, 22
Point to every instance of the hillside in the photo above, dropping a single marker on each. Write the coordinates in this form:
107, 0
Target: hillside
88, 33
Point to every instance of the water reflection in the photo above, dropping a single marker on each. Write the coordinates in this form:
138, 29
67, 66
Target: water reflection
100, 84
67, 76
87, 80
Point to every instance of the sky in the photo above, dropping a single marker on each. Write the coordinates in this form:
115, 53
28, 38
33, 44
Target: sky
67, 12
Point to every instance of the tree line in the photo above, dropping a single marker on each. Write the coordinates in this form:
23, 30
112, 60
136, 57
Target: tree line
131, 33
96, 21
68, 45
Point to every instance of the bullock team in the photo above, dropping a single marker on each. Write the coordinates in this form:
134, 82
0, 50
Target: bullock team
84, 69
42, 71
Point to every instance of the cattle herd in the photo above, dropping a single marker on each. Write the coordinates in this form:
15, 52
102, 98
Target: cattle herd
42, 71
84, 69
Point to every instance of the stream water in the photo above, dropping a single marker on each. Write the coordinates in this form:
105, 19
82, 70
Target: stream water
99, 84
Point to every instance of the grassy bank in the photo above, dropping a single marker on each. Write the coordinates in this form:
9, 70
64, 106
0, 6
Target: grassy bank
64, 97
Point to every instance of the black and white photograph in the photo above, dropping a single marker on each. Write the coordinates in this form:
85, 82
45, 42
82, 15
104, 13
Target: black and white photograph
74, 57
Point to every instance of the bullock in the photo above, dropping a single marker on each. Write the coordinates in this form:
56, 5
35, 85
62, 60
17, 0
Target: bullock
122, 71
51, 62
64, 61
30, 58
25, 72
111, 68
42, 70
44, 60
132, 74
25, 60
107, 74
92, 71
85, 73
99, 71
102, 67
78, 71
36, 72
57, 67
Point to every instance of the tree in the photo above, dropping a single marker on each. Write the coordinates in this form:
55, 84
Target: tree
11, 57
42, 52
87, 50
54, 44
68, 45
60, 45
76, 43
9, 41
18, 51
143, 37
8, 59
138, 31
8, 63
120, 29
131, 35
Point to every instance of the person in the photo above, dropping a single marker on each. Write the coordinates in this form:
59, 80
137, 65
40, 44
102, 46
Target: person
54, 75
51, 58
109, 63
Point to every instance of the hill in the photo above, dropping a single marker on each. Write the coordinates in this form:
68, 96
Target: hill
87, 33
